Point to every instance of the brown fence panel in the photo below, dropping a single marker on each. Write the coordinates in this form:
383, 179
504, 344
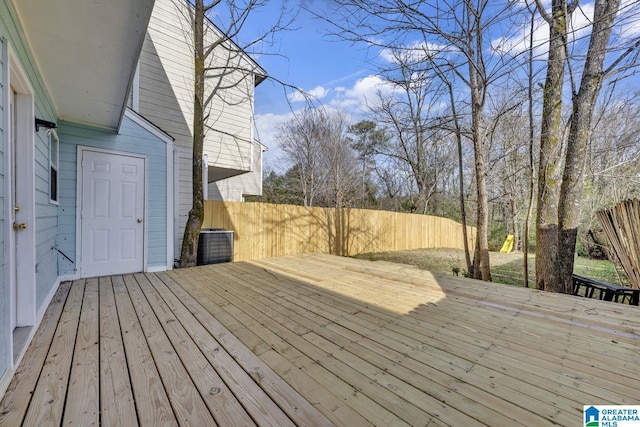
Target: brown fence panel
264, 230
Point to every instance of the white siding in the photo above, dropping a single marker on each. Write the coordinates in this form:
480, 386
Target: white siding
236, 188
166, 88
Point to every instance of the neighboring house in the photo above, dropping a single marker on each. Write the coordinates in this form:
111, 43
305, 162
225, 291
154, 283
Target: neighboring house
163, 93
89, 186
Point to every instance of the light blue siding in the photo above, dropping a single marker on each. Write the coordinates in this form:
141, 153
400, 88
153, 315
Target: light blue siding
46, 215
46, 220
131, 139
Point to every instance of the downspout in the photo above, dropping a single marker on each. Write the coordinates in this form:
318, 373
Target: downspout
171, 202
52, 132
252, 124
205, 176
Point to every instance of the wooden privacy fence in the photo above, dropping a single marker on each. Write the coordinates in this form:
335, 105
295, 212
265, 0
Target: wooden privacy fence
264, 230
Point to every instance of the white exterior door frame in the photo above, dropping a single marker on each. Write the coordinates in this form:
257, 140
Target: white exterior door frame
141, 219
19, 196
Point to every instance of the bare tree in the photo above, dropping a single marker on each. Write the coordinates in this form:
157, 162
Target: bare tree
222, 76
508, 180
299, 140
531, 125
339, 161
315, 143
413, 117
454, 36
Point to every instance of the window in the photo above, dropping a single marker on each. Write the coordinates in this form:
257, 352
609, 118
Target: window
54, 151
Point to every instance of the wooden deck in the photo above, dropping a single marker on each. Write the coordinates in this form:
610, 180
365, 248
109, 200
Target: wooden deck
320, 340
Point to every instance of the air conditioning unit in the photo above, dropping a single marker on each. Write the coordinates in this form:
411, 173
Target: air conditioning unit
215, 246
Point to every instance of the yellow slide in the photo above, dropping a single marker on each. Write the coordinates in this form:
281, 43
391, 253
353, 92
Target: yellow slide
507, 248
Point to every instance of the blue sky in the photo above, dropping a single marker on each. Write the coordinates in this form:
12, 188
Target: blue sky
337, 73
344, 76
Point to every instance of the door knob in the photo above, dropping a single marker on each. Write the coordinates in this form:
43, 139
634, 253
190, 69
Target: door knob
139, 220
20, 226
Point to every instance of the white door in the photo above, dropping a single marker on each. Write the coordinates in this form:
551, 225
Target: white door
21, 200
111, 213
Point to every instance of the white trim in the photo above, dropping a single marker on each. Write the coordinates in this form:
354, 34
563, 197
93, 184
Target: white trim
8, 342
252, 123
79, 181
170, 205
51, 137
78, 209
23, 263
205, 176
148, 126
6, 380
11, 368
176, 203
145, 217
156, 269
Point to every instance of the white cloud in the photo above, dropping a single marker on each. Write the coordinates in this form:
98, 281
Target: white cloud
413, 53
627, 22
518, 41
363, 93
352, 101
267, 126
316, 93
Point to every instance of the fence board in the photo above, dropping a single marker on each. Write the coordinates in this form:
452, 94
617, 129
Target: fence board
264, 230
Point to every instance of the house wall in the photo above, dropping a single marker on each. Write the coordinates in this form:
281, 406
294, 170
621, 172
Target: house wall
46, 276
236, 188
165, 80
134, 139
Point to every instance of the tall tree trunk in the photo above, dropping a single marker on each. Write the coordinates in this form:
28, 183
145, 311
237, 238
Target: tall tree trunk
527, 221
478, 88
189, 253
550, 151
463, 214
583, 105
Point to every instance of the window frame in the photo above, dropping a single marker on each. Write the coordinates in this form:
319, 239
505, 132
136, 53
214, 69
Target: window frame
54, 168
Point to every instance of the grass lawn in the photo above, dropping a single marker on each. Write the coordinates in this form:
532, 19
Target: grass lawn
505, 268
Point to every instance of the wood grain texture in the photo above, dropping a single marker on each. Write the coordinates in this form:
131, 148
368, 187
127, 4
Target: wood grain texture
49, 395
152, 403
187, 404
320, 340
266, 230
117, 402
18, 395
83, 395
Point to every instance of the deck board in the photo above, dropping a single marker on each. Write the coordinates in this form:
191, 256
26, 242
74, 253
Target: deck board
117, 406
84, 394
18, 395
228, 347
187, 404
151, 401
216, 394
48, 399
319, 340
416, 378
